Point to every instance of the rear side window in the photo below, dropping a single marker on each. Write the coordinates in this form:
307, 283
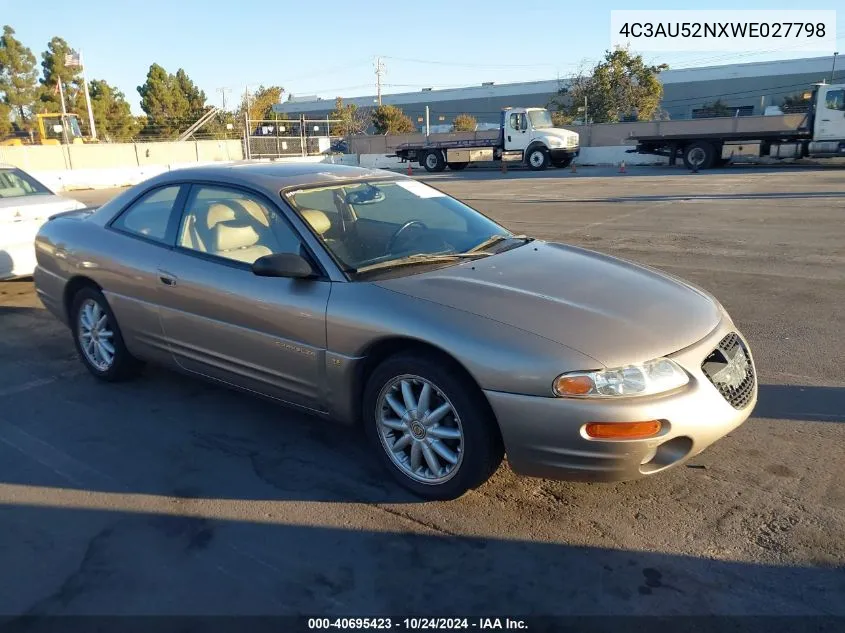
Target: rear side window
149, 216
16, 184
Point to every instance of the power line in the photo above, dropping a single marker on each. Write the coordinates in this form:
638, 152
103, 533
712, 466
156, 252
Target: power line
465, 65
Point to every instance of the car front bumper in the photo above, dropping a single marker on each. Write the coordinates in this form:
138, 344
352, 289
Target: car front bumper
544, 437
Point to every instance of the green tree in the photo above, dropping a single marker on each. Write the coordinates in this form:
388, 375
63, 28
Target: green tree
621, 86
54, 70
172, 103
112, 115
353, 120
194, 96
464, 123
389, 119
261, 104
5, 119
18, 77
717, 108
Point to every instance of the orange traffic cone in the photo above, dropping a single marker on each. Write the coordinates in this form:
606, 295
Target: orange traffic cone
410, 171
622, 167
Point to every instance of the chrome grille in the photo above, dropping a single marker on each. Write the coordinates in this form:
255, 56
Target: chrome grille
730, 370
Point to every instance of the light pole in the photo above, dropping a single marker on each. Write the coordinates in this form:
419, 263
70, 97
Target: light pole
833, 68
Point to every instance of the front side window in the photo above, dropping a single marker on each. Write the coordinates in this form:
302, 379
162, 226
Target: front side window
149, 216
16, 184
835, 100
234, 225
367, 223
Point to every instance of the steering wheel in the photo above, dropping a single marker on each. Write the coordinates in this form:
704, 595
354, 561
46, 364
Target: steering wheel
395, 237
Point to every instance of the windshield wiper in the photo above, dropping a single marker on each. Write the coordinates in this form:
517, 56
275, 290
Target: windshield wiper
420, 258
495, 239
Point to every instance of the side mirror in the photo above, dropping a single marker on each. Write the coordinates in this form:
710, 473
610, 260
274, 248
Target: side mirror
289, 265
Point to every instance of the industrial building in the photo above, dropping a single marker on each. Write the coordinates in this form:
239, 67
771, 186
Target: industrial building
746, 88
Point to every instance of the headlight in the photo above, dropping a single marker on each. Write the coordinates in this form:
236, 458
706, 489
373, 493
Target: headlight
655, 376
554, 141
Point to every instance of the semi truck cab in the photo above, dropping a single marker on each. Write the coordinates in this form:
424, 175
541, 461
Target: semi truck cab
829, 115
531, 132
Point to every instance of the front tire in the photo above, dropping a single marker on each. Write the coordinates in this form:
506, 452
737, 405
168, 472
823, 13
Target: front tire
537, 158
431, 426
98, 340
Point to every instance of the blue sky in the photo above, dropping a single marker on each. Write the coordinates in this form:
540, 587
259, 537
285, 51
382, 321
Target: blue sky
328, 47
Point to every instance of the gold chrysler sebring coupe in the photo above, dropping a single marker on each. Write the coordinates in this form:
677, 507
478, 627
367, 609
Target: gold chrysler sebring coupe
373, 299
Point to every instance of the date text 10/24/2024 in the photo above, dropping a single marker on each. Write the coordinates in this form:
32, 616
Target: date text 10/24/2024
418, 624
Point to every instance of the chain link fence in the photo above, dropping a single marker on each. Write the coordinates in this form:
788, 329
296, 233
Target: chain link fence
276, 138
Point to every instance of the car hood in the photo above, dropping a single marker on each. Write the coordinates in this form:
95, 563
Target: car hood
609, 309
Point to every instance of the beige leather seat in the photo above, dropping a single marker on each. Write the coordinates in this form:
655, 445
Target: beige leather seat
318, 220
258, 212
233, 240
200, 224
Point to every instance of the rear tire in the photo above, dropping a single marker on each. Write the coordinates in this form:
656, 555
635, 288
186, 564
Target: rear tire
98, 339
433, 161
464, 442
537, 158
699, 155
457, 166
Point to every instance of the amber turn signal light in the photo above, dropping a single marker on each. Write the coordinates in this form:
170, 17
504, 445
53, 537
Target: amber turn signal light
578, 385
623, 430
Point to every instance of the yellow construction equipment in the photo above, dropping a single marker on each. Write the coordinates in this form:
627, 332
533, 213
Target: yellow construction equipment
50, 129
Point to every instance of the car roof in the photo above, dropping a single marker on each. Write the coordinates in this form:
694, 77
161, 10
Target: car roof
272, 177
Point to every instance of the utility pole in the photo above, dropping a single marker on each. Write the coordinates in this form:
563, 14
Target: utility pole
223, 92
379, 73
833, 68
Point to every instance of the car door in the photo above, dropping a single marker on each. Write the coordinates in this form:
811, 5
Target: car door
516, 132
831, 114
141, 235
17, 234
23, 209
265, 334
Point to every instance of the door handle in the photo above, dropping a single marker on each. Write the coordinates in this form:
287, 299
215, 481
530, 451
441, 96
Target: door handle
166, 278
509, 137
826, 120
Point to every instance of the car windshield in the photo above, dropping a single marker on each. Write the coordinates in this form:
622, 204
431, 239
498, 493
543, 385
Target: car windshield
383, 224
16, 184
540, 119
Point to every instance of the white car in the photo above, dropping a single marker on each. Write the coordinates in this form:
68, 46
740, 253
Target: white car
25, 204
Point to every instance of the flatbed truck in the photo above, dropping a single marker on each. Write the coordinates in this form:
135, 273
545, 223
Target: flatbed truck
526, 135
820, 135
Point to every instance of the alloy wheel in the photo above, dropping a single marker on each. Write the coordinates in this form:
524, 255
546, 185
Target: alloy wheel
420, 429
96, 337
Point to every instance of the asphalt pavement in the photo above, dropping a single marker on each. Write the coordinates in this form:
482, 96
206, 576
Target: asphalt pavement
171, 496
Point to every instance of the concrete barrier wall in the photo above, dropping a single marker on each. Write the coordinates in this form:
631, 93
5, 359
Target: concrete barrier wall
104, 178
111, 155
96, 156
36, 157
